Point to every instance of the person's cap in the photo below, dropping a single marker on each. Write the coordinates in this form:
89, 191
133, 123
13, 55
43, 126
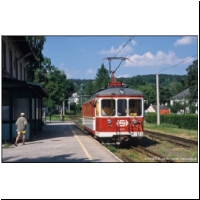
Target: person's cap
22, 114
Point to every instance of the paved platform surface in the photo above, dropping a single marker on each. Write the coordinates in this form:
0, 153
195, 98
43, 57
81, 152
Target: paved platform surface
59, 142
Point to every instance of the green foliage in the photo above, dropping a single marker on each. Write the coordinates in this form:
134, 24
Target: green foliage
135, 82
53, 117
192, 108
78, 108
111, 148
89, 88
177, 106
166, 125
70, 112
165, 95
36, 44
150, 117
58, 88
102, 77
192, 80
170, 85
149, 93
187, 121
175, 87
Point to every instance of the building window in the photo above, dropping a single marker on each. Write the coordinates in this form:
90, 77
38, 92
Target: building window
24, 74
10, 62
5, 105
16, 67
4, 55
20, 71
20, 105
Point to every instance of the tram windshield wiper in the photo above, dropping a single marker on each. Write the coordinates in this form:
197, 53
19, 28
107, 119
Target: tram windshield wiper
112, 112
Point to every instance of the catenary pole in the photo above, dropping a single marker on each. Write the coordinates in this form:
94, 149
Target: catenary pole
158, 104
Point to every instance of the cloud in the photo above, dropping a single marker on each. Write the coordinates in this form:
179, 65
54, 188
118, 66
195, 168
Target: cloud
133, 42
124, 76
62, 64
113, 50
159, 59
184, 41
90, 71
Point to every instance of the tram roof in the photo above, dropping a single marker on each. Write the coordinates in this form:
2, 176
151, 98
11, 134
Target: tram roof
115, 91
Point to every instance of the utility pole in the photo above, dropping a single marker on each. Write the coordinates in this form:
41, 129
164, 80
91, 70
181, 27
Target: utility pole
63, 107
158, 104
68, 103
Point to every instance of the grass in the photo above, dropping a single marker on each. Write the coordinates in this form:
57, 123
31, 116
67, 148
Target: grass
173, 130
56, 117
111, 148
162, 128
7, 145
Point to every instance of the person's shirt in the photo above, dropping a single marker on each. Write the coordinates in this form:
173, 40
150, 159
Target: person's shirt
21, 123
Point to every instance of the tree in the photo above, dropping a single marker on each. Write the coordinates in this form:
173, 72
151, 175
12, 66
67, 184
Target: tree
89, 88
57, 87
149, 92
165, 95
177, 106
40, 74
36, 44
135, 82
175, 88
102, 77
192, 81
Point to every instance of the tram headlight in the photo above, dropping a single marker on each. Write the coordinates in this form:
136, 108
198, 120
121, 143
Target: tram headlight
134, 121
109, 121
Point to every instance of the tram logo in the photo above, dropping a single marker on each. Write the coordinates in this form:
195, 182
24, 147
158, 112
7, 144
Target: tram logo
122, 122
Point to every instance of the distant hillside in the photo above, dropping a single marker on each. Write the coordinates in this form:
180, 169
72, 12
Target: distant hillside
164, 80
169, 85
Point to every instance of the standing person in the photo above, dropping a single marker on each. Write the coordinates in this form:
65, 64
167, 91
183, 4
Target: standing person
21, 128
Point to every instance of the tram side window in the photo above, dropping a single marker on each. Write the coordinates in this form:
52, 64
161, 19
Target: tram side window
135, 107
121, 107
108, 107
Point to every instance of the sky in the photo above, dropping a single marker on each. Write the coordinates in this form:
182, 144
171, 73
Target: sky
81, 56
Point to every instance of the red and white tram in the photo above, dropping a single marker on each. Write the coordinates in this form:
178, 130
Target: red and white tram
115, 113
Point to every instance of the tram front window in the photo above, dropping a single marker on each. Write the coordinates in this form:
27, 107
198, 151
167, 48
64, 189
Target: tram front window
108, 107
121, 107
135, 107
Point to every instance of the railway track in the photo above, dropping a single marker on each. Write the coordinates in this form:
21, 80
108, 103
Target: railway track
155, 135
154, 156
126, 159
173, 139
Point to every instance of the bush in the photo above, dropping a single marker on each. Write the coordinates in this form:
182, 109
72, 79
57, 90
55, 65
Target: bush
187, 121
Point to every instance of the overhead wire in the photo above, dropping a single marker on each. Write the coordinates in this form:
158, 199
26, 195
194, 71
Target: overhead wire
178, 63
122, 47
125, 45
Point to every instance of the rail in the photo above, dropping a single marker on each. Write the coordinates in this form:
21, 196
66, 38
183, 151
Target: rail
173, 139
155, 156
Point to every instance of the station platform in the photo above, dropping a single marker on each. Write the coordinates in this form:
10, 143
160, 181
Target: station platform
59, 142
